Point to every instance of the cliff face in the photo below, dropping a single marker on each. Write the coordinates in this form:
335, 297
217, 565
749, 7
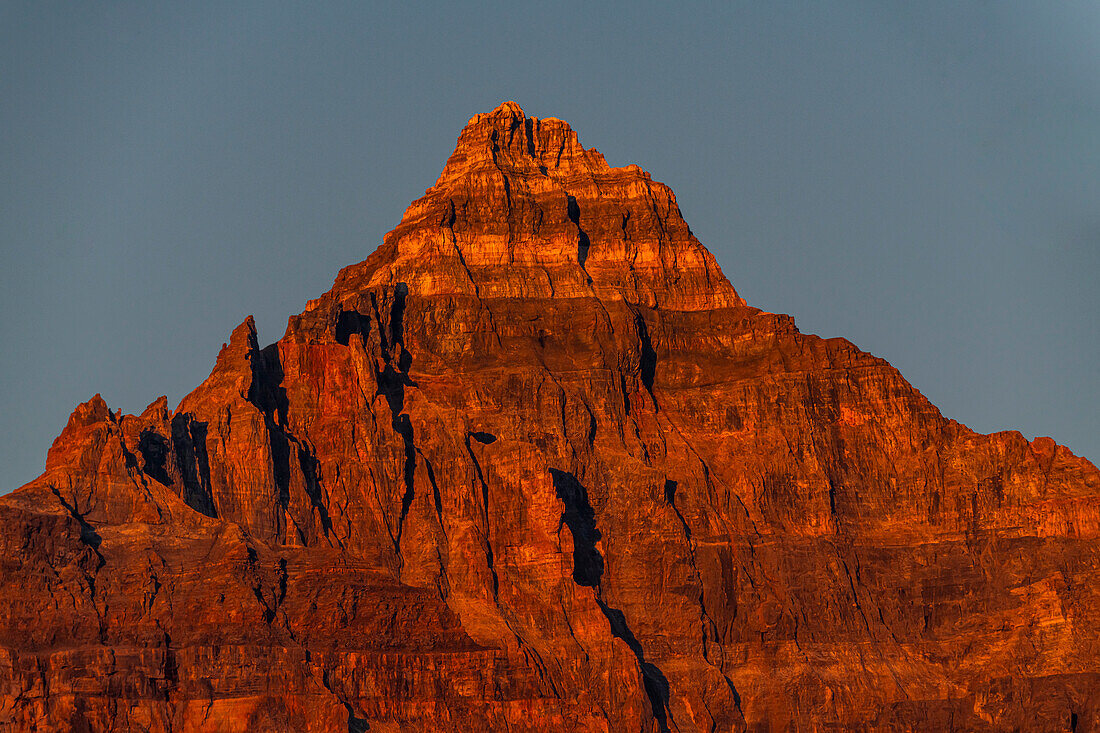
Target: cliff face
534, 465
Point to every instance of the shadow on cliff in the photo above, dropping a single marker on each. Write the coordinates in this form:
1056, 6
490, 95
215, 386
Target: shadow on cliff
392, 379
588, 567
189, 440
484, 438
155, 450
647, 356
583, 242
269, 395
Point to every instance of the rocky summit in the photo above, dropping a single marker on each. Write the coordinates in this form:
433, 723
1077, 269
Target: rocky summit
535, 465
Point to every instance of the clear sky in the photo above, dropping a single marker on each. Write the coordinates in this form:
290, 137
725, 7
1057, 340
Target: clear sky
922, 178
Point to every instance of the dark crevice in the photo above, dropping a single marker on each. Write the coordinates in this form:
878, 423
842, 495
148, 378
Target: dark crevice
349, 322
647, 361
355, 724
529, 131
484, 439
283, 446
626, 395
580, 518
653, 679
269, 396
397, 314
593, 424
735, 693
391, 385
266, 391
392, 380
92, 540
583, 242
310, 466
189, 439
588, 567
435, 487
130, 459
269, 615
88, 535
491, 563
257, 585
670, 498
403, 426
394, 377
155, 449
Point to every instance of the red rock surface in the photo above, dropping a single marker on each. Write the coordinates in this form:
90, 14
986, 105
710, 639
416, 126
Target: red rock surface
534, 465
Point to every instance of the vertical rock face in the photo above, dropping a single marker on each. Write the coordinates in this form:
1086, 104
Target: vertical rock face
534, 465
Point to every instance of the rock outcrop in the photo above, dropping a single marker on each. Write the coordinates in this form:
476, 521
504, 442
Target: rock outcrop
535, 465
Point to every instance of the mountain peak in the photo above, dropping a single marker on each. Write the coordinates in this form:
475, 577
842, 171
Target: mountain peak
522, 209
509, 140
533, 466
509, 108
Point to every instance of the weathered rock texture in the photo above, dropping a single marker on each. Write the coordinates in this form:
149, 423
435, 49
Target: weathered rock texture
534, 465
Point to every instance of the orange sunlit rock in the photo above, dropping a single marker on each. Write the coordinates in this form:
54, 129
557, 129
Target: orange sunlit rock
535, 465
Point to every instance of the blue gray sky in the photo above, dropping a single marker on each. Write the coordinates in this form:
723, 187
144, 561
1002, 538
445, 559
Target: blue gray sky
921, 178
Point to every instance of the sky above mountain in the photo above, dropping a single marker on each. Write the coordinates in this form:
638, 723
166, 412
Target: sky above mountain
921, 178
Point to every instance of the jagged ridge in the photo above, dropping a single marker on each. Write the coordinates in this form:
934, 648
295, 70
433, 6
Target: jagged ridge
534, 463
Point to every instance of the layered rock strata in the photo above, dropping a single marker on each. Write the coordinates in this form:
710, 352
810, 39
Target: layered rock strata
535, 465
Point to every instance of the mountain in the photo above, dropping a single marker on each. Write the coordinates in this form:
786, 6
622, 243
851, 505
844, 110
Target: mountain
535, 465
